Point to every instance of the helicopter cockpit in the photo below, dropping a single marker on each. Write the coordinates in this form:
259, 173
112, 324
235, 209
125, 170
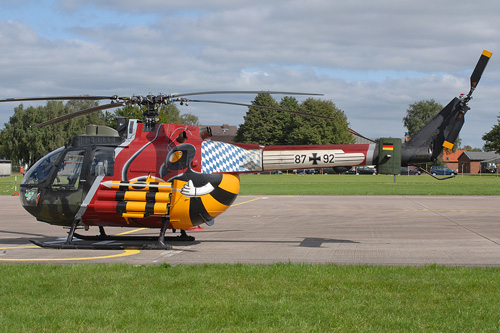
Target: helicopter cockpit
65, 172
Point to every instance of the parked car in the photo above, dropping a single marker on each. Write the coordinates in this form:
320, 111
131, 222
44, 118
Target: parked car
361, 170
276, 172
351, 171
441, 170
365, 170
488, 168
328, 171
409, 171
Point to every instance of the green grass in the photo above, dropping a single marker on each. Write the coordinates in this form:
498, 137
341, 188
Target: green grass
281, 297
256, 298
348, 185
368, 185
7, 184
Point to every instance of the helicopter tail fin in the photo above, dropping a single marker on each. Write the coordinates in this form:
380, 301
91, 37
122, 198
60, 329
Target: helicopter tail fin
442, 131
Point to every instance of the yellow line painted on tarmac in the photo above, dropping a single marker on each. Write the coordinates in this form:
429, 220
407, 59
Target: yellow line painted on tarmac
130, 231
241, 203
19, 247
124, 254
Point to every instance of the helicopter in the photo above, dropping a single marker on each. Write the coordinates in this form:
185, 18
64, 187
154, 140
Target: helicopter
171, 176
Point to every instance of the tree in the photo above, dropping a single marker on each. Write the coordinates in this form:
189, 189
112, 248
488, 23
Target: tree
261, 125
272, 127
492, 138
128, 111
469, 148
170, 114
418, 114
76, 126
311, 130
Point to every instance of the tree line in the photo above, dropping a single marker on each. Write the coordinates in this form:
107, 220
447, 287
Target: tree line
271, 127
22, 143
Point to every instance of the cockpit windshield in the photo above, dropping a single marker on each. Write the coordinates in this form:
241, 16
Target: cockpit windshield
40, 171
68, 175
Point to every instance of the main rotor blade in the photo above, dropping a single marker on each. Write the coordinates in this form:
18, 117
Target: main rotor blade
224, 92
480, 66
57, 98
261, 107
79, 113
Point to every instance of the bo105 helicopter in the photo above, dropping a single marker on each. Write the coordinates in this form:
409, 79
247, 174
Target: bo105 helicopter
169, 176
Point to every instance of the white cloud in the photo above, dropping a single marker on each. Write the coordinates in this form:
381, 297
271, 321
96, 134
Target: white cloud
372, 59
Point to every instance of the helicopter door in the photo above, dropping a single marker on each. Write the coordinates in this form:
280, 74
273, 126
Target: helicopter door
65, 193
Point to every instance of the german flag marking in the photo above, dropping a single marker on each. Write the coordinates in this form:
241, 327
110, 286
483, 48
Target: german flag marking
388, 147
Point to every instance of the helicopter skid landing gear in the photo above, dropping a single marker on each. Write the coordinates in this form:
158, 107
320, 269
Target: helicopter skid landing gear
102, 233
164, 224
107, 242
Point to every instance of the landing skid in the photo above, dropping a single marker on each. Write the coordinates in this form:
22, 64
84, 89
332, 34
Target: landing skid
107, 242
181, 237
108, 246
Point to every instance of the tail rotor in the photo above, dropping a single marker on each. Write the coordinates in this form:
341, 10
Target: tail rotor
477, 73
459, 121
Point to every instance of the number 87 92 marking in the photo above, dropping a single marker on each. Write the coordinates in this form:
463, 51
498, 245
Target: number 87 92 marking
326, 158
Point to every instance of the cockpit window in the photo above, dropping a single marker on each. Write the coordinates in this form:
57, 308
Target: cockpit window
68, 175
103, 163
40, 171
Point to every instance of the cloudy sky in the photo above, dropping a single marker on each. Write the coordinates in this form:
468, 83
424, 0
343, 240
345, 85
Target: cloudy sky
371, 58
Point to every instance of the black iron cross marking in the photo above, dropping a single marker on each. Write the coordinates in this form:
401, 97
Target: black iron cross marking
314, 158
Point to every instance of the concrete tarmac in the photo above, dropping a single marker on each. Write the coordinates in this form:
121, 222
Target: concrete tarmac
373, 230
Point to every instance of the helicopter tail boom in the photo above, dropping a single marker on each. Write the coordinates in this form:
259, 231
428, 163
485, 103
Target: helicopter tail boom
221, 157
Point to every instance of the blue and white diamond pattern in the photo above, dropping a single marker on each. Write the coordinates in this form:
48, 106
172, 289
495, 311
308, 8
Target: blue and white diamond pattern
225, 157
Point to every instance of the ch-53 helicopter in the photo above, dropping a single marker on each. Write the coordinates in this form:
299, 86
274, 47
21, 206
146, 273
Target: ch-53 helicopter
168, 176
